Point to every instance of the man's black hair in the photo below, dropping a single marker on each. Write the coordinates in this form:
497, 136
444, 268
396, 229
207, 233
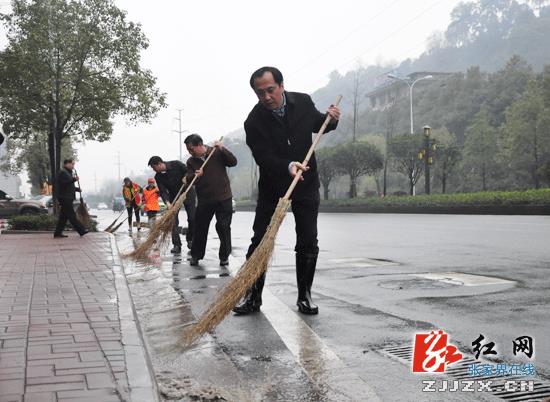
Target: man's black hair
69, 160
193, 139
277, 75
155, 160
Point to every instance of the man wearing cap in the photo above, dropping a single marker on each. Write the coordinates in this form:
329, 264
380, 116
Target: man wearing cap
130, 193
170, 177
65, 196
151, 200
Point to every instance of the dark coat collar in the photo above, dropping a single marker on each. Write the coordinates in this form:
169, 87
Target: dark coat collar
290, 102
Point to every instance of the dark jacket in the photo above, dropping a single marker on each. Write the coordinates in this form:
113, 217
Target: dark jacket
170, 181
213, 186
65, 185
275, 142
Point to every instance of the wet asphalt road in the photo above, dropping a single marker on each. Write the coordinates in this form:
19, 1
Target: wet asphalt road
375, 289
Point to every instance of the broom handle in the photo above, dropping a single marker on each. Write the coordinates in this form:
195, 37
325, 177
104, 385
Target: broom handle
195, 177
310, 151
78, 181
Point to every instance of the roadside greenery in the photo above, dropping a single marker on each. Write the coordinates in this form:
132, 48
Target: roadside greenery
489, 198
43, 222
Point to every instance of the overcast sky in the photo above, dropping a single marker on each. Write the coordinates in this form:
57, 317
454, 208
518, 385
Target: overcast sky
203, 53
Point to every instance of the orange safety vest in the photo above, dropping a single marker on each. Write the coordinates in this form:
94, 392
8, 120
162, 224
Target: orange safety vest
130, 193
151, 199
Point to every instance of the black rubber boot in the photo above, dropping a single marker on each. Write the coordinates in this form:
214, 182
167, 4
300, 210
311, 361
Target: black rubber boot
305, 271
252, 300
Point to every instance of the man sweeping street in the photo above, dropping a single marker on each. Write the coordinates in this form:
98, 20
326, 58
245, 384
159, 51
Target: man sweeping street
169, 177
130, 193
213, 195
65, 196
279, 133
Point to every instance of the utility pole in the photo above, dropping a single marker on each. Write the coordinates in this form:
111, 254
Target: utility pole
427, 154
118, 164
179, 129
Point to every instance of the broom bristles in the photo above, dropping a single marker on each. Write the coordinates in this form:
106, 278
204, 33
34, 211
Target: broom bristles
83, 215
235, 289
112, 230
158, 235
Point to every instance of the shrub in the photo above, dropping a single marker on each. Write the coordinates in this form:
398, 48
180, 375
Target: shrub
38, 222
494, 198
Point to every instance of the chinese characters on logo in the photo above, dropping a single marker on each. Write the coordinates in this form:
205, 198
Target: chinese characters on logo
432, 353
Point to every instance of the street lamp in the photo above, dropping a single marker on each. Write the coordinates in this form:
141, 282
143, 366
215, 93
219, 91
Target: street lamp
427, 153
410, 83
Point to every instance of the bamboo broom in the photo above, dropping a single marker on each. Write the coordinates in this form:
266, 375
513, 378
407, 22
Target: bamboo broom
81, 211
111, 228
254, 266
158, 235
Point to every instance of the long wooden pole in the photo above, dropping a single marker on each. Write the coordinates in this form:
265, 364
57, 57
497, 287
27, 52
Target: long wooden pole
195, 177
310, 151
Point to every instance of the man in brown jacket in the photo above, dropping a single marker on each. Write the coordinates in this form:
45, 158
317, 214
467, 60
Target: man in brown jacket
213, 195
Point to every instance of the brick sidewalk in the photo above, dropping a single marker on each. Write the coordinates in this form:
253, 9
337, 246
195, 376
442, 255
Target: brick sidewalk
61, 337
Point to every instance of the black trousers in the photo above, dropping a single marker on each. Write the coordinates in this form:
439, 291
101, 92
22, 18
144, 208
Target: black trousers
205, 212
133, 207
67, 214
152, 215
190, 205
305, 216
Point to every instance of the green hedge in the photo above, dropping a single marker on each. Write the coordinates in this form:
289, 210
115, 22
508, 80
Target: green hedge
493, 198
38, 222
482, 199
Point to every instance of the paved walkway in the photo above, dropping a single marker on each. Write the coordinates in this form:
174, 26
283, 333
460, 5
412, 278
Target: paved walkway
67, 327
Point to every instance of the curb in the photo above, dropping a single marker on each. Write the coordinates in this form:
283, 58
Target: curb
139, 368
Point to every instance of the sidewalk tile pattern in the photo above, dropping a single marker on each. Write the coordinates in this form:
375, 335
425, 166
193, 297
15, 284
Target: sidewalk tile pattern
60, 336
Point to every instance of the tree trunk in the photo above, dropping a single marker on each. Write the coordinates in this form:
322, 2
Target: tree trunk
325, 190
536, 155
444, 178
411, 183
352, 187
385, 178
483, 178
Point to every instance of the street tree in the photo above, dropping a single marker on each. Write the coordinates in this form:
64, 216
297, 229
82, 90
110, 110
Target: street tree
527, 133
403, 150
68, 69
447, 155
357, 159
29, 155
481, 149
326, 166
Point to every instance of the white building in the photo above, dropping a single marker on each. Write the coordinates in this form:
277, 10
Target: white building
9, 183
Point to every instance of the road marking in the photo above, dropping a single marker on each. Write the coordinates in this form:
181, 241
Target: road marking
457, 278
332, 377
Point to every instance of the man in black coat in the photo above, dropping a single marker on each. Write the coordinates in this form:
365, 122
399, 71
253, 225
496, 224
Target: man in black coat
279, 133
65, 196
169, 177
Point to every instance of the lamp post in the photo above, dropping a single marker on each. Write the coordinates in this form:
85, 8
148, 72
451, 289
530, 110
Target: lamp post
427, 153
410, 84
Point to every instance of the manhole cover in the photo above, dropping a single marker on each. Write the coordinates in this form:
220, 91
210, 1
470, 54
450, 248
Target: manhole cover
416, 283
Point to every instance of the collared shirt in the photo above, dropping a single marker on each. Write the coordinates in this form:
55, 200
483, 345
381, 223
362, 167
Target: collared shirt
281, 111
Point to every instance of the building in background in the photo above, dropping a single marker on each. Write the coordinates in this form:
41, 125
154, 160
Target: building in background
9, 183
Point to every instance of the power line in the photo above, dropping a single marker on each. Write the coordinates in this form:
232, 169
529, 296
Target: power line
385, 38
350, 33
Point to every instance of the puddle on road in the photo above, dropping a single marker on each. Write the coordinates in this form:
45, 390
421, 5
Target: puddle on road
158, 291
